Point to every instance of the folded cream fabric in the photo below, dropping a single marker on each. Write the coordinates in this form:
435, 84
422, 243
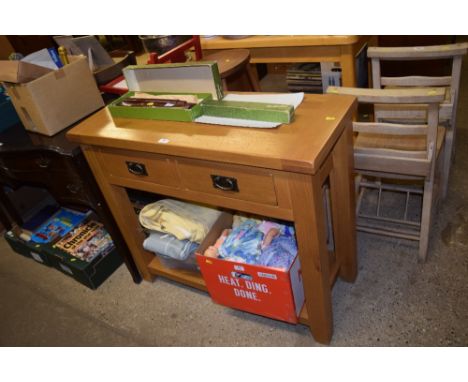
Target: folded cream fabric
186, 221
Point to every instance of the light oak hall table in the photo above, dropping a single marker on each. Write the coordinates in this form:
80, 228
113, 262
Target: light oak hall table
299, 48
286, 173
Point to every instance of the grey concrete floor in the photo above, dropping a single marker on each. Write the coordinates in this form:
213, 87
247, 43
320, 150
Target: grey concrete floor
395, 301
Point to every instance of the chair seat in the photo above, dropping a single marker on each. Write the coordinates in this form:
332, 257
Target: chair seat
229, 61
387, 141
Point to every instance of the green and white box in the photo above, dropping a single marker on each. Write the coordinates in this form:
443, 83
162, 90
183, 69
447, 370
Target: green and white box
200, 78
255, 111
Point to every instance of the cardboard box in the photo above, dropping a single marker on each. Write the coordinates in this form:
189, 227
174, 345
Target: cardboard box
256, 289
255, 111
122, 59
86, 253
29, 249
91, 274
19, 72
199, 78
55, 100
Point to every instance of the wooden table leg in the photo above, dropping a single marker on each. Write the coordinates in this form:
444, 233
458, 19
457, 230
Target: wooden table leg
348, 66
309, 219
343, 205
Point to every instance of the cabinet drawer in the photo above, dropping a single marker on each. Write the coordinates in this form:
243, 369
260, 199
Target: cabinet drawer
237, 182
147, 167
31, 162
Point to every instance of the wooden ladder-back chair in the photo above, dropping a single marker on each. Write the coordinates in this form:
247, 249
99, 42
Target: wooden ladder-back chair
403, 152
232, 63
448, 108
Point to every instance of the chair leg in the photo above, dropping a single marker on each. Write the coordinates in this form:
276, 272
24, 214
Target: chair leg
253, 79
447, 161
425, 220
224, 82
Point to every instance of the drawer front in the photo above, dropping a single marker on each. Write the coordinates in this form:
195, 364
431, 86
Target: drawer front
237, 182
146, 167
31, 162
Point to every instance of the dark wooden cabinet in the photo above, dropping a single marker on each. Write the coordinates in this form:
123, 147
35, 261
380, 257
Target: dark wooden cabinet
53, 163
26, 44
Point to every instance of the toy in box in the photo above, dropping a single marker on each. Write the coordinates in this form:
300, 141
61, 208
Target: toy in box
270, 291
58, 225
168, 91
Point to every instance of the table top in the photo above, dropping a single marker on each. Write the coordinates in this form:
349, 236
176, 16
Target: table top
300, 146
220, 42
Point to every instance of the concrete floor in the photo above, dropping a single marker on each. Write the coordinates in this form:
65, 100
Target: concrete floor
394, 302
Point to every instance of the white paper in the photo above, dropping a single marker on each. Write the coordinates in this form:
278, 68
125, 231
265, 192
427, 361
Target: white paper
41, 58
236, 122
120, 85
293, 99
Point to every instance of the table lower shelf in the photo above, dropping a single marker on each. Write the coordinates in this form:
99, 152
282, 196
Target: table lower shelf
195, 280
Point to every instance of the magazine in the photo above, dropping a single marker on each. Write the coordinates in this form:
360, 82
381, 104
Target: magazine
86, 241
58, 225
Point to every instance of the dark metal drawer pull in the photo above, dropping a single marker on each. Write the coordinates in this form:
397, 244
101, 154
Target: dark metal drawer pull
73, 188
43, 162
224, 183
136, 168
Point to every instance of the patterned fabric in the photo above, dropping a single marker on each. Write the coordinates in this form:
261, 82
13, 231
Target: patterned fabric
260, 243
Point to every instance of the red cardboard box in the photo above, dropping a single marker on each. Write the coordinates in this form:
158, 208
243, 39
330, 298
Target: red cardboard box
256, 289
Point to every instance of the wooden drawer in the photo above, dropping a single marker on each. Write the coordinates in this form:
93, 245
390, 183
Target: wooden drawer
140, 166
32, 161
236, 182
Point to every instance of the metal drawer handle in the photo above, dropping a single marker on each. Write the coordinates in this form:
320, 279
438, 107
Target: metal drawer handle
3, 166
43, 162
224, 183
136, 168
73, 188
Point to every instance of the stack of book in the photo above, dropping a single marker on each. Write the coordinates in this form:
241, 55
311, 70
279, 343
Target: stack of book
86, 241
305, 77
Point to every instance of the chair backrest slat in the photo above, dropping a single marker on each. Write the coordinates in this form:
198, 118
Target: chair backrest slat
389, 128
413, 95
418, 52
387, 153
416, 81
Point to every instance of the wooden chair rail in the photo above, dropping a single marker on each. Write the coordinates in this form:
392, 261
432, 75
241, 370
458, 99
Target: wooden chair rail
418, 52
413, 95
389, 128
416, 81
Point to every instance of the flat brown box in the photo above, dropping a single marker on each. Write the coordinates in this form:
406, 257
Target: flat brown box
57, 99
